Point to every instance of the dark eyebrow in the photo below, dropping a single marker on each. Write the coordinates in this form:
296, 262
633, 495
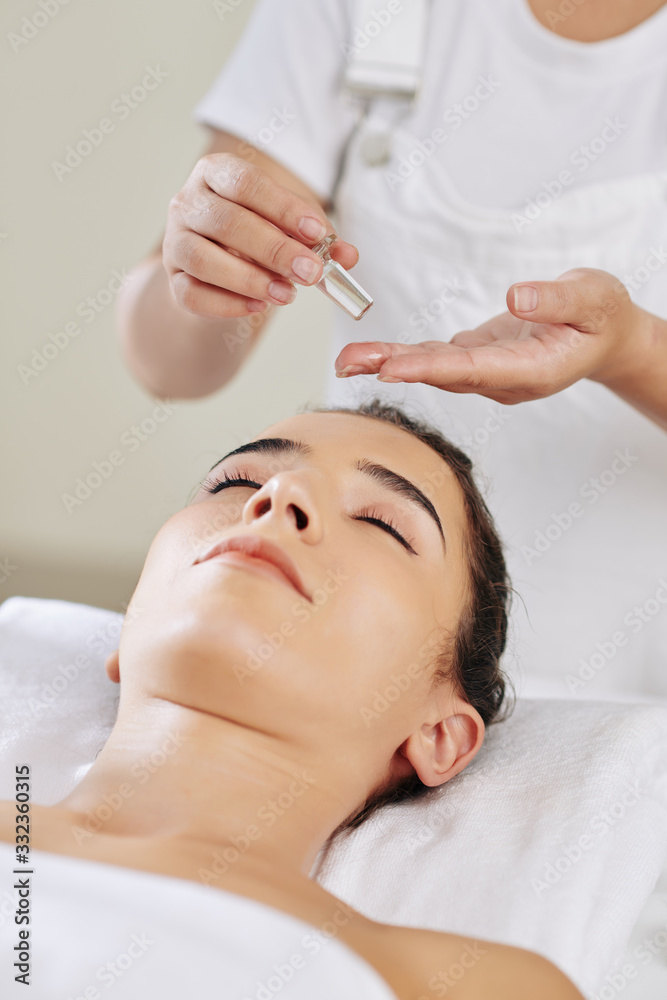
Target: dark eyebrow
269, 446
403, 487
391, 480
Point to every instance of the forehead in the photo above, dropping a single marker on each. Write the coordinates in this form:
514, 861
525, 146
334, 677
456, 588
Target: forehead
341, 438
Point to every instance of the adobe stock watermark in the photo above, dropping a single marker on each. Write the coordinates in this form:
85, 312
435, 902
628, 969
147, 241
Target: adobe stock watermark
441, 807
440, 810
636, 619
311, 943
110, 972
592, 490
280, 119
657, 258
364, 33
454, 117
103, 469
383, 698
7, 568
443, 981
140, 772
580, 158
601, 823
31, 26
121, 108
244, 329
426, 315
97, 642
565, 9
87, 310
267, 816
497, 417
7, 907
302, 612
643, 954
225, 7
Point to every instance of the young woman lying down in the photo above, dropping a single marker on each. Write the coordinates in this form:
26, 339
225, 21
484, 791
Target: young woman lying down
337, 554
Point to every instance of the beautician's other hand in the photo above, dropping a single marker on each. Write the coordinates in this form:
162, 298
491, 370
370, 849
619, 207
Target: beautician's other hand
583, 325
235, 236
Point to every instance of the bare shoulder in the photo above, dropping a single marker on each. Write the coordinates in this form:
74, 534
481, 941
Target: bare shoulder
41, 825
10, 817
421, 964
7, 822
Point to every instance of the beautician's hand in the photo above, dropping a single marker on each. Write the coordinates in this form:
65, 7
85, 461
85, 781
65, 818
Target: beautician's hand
234, 234
583, 325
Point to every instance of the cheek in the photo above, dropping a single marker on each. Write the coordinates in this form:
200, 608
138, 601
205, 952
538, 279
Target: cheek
372, 630
159, 605
204, 523
178, 543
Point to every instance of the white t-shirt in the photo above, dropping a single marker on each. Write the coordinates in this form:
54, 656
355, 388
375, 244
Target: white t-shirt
543, 103
560, 163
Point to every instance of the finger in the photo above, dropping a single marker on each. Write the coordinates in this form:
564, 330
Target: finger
212, 265
249, 235
253, 238
206, 300
445, 367
238, 180
346, 254
251, 198
456, 369
367, 357
584, 298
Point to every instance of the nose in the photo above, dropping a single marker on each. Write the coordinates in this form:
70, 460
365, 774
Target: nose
289, 499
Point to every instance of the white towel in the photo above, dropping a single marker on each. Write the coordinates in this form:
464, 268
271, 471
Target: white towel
133, 935
497, 853
551, 839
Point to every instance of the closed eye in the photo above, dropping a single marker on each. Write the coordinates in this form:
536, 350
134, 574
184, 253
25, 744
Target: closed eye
373, 518
215, 485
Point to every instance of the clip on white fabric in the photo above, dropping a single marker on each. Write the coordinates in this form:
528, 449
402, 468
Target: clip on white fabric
385, 58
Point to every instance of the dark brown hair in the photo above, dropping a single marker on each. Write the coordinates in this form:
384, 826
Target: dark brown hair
471, 658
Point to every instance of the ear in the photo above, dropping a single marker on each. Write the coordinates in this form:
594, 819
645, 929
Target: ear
112, 667
440, 749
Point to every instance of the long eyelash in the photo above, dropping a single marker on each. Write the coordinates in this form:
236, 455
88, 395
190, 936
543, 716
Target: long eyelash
373, 516
214, 484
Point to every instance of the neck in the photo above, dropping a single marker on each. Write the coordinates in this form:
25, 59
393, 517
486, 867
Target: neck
205, 782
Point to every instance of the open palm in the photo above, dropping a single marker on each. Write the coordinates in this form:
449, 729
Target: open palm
578, 326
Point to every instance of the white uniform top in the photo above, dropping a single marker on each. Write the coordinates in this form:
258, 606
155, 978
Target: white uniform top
524, 155
94, 927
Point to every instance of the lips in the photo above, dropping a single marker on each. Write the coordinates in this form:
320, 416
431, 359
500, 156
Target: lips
264, 550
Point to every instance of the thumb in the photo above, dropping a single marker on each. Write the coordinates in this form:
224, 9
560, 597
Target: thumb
585, 299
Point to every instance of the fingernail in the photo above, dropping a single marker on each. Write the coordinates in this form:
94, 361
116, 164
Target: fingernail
312, 228
388, 378
304, 268
351, 370
282, 291
525, 298
256, 305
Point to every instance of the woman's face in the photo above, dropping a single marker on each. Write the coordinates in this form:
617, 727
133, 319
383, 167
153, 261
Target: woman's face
340, 658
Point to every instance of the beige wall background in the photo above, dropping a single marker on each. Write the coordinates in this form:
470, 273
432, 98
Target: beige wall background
61, 240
